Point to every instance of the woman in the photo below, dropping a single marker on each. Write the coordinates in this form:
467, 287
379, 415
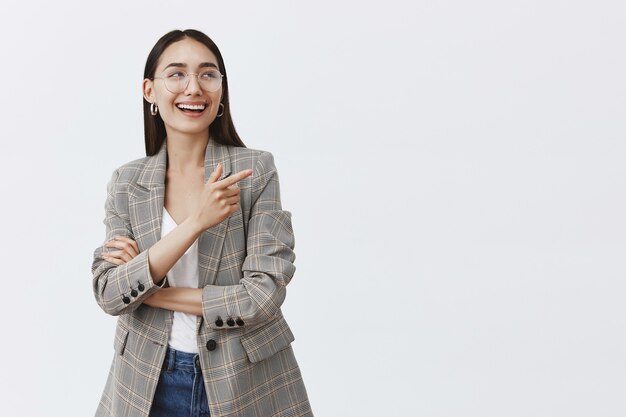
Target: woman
197, 255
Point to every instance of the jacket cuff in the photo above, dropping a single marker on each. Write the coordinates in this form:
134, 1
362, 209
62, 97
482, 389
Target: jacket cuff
221, 307
135, 285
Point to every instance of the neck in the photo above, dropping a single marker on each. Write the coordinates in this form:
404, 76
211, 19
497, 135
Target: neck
185, 152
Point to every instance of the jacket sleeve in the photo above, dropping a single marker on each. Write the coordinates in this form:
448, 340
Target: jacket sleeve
269, 264
120, 289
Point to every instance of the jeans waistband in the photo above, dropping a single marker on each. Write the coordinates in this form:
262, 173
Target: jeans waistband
179, 360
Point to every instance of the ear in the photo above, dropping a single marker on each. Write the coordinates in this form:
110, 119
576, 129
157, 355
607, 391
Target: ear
147, 87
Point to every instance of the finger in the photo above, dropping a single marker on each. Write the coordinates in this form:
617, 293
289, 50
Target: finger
125, 256
123, 245
120, 242
215, 174
231, 191
227, 193
232, 200
112, 260
121, 254
131, 242
228, 181
133, 249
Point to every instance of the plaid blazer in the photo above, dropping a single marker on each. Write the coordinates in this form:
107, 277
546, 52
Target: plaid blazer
245, 263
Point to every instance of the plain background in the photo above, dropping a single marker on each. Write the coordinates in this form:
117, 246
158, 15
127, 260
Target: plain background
456, 175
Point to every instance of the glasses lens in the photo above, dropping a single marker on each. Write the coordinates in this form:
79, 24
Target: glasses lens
177, 81
210, 80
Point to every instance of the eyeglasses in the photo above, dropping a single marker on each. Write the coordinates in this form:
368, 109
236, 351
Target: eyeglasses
176, 81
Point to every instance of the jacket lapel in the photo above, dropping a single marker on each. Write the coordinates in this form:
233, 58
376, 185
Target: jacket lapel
211, 241
145, 208
145, 200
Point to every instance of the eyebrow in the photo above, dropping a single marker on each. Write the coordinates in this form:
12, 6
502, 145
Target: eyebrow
181, 64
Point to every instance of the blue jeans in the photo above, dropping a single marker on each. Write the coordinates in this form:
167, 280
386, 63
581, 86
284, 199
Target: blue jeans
180, 391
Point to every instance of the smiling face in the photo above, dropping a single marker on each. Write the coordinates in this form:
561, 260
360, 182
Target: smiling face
190, 56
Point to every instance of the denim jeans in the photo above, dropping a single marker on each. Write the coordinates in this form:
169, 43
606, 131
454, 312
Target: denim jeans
180, 391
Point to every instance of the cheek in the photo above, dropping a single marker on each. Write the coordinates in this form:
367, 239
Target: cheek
216, 97
165, 98
167, 106
167, 111
216, 100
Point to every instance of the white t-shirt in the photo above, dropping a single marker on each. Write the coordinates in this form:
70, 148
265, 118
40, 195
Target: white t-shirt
184, 274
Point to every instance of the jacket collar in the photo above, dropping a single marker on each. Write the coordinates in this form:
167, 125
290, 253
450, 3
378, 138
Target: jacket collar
153, 174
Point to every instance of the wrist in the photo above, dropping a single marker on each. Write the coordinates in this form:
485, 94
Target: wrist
192, 224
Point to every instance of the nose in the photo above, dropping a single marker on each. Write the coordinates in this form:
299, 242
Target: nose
193, 86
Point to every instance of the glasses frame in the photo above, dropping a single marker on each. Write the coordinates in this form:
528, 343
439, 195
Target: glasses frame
187, 75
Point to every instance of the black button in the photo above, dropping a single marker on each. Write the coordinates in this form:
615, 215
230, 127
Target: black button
134, 293
211, 344
126, 300
140, 287
219, 322
230, 322
239, 321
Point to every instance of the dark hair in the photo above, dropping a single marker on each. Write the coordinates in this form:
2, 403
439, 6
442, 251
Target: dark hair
222, 129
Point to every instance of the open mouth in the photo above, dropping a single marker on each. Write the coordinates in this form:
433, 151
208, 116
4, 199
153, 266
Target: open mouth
192, 109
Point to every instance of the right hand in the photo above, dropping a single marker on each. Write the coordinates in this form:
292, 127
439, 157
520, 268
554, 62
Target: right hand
219, 199
128, 250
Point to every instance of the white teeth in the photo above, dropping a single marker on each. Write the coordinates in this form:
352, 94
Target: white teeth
191, 106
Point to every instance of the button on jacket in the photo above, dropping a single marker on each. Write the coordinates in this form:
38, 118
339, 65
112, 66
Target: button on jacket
245, 263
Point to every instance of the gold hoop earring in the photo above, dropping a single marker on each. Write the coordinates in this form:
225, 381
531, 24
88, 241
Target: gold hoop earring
153, 109
220, 114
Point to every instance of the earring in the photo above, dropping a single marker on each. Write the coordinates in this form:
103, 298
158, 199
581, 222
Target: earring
153, 109
220, 114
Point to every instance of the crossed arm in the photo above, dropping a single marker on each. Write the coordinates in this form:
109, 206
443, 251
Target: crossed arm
185, 300
164, 254
121, 285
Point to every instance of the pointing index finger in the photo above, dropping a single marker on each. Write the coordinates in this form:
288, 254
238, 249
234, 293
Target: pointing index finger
228, 181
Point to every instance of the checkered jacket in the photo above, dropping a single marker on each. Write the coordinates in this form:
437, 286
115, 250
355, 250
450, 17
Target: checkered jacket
245, 263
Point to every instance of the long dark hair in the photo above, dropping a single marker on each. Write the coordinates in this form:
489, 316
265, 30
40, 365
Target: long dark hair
222, 129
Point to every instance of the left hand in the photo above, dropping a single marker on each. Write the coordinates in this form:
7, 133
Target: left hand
127, 250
